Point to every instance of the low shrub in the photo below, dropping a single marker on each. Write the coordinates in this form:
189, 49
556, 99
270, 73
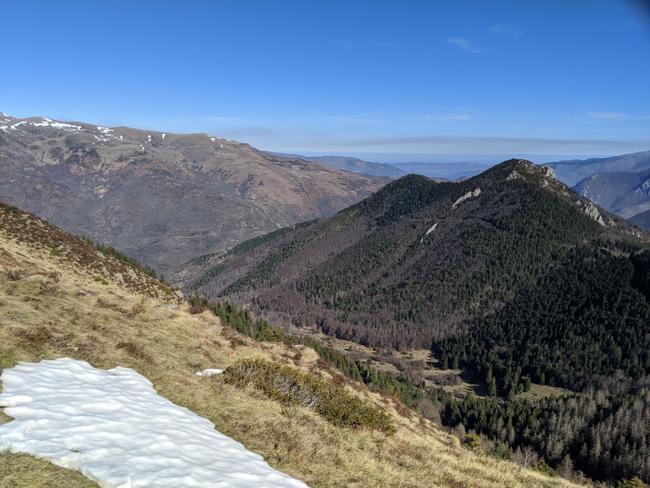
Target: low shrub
34, 339
632, 483
291, 386
138, 308
196, 309
472, 441
135, 350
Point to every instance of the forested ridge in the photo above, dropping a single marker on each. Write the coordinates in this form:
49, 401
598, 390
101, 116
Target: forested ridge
377, 273
588, 316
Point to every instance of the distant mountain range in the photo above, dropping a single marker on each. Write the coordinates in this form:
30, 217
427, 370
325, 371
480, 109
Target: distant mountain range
626, 194
439, 171
620, 184
447, 171
572, 171
162, 198
353, 165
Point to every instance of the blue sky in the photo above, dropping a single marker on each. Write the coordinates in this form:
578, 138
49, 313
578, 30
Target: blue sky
411, 80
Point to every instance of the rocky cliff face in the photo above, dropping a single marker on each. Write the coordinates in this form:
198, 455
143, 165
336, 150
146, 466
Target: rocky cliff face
162, 198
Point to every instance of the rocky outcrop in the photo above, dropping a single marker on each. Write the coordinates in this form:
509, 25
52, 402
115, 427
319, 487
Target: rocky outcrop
470, 194
591, 211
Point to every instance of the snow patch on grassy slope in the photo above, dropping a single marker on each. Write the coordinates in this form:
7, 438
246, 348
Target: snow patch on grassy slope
113, 427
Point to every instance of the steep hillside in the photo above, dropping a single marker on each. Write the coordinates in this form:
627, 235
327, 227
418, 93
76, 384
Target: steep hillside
162, 198
642, 220
60, 297
572, 171
410, 264
625, 194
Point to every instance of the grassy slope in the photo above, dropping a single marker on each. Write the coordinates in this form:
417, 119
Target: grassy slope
52, 307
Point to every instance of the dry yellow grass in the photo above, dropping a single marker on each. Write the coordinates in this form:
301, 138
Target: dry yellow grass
18, 471
49, 308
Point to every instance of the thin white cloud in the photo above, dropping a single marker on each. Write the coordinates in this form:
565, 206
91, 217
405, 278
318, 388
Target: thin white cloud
445, 117
616, 116
506, 31
353, 119
344, 44
463, 43
608, 115
387, 44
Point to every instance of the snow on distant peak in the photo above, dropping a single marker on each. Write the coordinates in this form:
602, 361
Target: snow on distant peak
5, 119
18, 124
114, 428
45, 122
105, 134
64, 126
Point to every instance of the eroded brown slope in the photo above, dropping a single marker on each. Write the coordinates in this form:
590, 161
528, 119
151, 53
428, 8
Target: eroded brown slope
162, 198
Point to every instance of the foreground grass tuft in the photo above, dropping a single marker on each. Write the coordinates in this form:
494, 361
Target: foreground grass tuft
22, 471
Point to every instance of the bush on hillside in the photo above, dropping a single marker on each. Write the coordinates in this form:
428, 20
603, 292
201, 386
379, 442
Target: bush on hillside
292, 386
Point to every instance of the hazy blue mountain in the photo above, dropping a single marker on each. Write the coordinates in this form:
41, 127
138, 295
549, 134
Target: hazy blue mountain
353, 165
642, 219
572, 171
624, 193
439, 171
447, 171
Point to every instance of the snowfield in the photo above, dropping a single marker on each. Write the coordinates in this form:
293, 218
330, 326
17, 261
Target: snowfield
113, 427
